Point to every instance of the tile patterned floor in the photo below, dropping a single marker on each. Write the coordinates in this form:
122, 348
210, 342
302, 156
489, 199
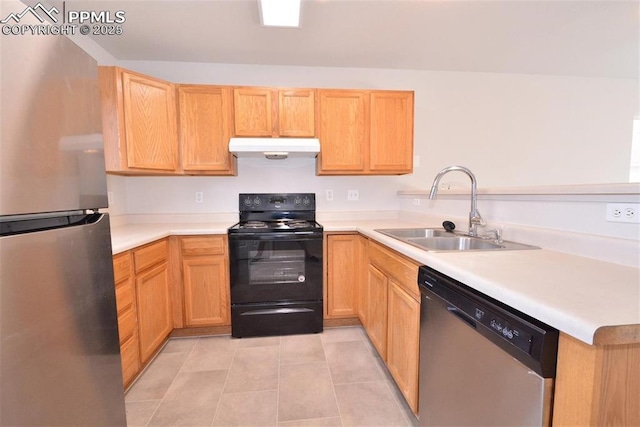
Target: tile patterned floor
330, 379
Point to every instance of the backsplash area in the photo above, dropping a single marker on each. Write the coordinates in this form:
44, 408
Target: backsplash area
571, 224
574, 224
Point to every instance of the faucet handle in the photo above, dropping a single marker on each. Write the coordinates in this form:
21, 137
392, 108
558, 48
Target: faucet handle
476, 218
495, 234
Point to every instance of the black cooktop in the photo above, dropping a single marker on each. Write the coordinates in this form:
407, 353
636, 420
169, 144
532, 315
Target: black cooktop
269, 212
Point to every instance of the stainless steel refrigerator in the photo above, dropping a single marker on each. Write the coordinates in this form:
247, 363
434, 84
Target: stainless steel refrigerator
59, 351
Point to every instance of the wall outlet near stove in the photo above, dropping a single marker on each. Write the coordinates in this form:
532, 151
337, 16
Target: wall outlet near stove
623, 212
353, 195
199, 197
329, 195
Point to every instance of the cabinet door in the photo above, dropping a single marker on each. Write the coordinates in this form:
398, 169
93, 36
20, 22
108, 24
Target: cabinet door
130, 355
377, 311
343, 274
149, 123
253, 111
205, 129
127, 316
343, 132
391, 135
403, 342
154, 309
296, 113
206, 291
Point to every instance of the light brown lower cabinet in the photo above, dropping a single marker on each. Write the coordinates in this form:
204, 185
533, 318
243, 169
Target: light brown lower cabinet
127, 316
154, 309
205, 277
390, 304
377, 309
144, 307
597, 385
403, 342
343, 272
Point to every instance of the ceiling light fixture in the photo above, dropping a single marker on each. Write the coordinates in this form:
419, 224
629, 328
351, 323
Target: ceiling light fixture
280, 13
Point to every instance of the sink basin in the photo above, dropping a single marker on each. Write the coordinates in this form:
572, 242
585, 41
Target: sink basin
438, 240
409, 233
454, 243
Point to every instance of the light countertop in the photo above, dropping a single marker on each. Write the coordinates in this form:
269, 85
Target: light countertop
126, 237
593, 301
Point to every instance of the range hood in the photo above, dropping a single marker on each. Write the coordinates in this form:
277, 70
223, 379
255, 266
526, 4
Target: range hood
274, 148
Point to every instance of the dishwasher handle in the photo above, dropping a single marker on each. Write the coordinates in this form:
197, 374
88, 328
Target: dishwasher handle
462, 316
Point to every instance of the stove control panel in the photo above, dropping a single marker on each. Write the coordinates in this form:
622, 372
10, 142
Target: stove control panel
278, 202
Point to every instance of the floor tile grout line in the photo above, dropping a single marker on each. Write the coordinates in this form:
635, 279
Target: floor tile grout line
226, 380
333, 385
391, 386
388, 381
174, 378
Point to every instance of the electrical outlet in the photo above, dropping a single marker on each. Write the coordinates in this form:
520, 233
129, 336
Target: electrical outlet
199, 197
353, 195
623, 212
416, 202
329, 195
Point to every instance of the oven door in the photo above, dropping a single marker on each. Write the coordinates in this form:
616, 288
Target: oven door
275, 267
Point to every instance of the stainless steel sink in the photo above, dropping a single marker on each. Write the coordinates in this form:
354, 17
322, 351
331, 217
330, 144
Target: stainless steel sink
410, 233
438, 240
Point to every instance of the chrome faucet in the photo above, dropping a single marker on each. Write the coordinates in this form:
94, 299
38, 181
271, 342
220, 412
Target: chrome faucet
475, 218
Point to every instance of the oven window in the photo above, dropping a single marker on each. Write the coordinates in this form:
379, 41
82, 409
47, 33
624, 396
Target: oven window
268, 266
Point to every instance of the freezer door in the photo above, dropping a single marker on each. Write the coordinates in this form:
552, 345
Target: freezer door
59, 354
51, 145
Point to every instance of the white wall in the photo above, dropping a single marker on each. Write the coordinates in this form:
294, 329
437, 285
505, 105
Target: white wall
177, 194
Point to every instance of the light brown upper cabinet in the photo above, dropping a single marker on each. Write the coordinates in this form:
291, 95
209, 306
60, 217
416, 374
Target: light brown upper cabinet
139, 123
344, 131
391, 132
269, 112
365, 132
204, 129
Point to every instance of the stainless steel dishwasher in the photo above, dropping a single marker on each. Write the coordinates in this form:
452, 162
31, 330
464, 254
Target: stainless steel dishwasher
482, 363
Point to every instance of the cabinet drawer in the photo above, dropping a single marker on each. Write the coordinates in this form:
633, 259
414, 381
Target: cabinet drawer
122, 266
126, 325
149, 255
204, 245
130, 359
405, 272
124, 296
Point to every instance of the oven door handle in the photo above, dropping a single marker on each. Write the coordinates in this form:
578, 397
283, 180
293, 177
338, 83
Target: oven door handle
276, 311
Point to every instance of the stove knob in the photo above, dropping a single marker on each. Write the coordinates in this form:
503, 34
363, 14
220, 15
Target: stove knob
298, 201
247, 201
306, 201
257, 201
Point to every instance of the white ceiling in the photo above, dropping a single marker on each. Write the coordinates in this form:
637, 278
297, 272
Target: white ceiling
576, 38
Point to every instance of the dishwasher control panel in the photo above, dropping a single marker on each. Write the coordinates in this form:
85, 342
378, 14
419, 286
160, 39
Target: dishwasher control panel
516, 336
